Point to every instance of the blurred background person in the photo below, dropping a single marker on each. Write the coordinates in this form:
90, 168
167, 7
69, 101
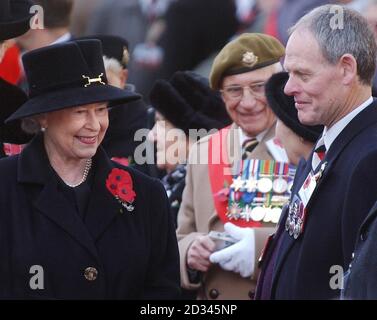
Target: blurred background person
184, 102
56, 23
82, 13
141, 23
56, 17
253, 16
15, 19
11, 135
166, 36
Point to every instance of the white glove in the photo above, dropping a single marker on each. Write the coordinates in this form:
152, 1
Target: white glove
240, 256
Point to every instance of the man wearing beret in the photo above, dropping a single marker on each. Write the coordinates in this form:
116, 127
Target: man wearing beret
239, 72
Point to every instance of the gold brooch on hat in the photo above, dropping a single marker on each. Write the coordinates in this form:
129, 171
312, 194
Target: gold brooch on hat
126, 56
249, 59
93, 80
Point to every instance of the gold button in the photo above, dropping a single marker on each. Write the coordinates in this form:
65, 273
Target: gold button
214, 294
91, 274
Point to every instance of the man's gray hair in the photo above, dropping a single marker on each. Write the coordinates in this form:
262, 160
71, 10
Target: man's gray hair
350, 34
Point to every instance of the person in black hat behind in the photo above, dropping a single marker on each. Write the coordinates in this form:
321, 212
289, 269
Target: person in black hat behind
14, 20
11, 97
184, 103
74, 224
297, 139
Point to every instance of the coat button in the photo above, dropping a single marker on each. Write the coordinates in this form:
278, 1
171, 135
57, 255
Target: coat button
91, 274
251, 295
353, 255
213, 294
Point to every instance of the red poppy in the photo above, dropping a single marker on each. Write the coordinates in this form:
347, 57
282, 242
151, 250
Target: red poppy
119, 183
126, 193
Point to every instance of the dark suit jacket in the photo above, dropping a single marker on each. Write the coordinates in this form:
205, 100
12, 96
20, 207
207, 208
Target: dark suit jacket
135, 253
339, 204
361, 277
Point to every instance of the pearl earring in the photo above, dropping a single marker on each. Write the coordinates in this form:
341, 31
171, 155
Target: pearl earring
43, 129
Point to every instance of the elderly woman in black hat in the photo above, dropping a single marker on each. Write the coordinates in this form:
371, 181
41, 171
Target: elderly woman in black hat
74, 224
182, 104
297, 139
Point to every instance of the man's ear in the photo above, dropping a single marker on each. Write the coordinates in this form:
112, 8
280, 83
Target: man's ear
124, 77
348, 67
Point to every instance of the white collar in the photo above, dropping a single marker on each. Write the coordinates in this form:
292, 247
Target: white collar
65, 37
243, 136
330, 134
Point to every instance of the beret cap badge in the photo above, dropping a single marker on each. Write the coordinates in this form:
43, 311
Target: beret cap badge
249, 59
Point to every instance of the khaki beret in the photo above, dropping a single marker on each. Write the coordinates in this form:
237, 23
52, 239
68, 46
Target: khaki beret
248, 52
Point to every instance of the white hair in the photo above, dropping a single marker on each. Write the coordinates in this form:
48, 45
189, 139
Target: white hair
112, 64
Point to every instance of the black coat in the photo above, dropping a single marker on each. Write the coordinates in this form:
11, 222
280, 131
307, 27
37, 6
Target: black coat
339, 204
361, 280
135, 253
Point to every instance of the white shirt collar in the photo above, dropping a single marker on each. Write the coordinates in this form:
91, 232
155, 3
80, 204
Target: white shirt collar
65, 37
329, 135
243, 136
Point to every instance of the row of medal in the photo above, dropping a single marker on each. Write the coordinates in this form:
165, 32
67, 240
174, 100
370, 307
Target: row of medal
259, 192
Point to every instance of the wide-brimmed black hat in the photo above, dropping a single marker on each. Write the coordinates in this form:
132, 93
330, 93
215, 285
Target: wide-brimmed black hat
112, 47
14, 18
11, 98
67, 75
188, 102
284, 108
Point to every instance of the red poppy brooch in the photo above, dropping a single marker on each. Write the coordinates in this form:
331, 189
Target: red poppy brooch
119, 183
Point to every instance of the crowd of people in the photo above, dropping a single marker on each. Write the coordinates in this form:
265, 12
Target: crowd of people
183, 149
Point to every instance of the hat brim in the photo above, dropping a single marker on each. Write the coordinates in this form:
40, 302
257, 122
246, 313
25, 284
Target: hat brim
19, 23
73, 97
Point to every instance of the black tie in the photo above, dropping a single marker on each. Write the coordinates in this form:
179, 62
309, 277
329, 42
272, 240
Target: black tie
318, 155
247, 147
